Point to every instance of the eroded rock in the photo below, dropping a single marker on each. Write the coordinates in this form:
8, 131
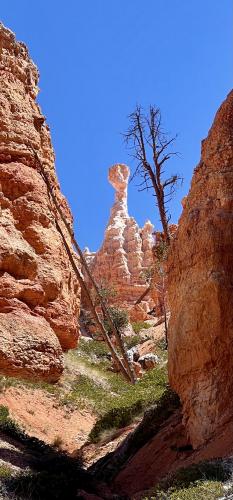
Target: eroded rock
38, 290
126, 252
200, 288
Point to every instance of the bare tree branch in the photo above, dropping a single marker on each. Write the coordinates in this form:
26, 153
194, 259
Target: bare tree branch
151, 149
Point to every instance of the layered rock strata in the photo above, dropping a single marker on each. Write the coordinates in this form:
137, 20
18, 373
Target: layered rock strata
201, 288
126, 252
38, 291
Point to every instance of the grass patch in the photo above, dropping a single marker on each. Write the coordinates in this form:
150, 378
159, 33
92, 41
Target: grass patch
107, 467
131, 401
113, 400
201, 490
5, 472
85, 392
132, 341
203, 481
6, 382
140, 325
90, 347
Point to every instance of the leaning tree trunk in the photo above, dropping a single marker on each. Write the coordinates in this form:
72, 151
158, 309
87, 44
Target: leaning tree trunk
126, 369
143, 295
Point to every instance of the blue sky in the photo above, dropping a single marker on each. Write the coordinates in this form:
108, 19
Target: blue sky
97, 59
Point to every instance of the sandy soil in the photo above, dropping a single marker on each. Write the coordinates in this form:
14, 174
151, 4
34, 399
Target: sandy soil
41, 416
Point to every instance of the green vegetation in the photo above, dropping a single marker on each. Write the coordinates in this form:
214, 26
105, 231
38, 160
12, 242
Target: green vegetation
93, 348
5, 472
149, 426
125, 402
115, 401
140, 325
132, 341
8, 425
203, 481
201, 490
119, 318
6, 382
4, 414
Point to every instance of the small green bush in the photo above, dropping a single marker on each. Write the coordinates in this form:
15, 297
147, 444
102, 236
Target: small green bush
96, 347
140, 325
116, 418
203, 481
132, 341
4, 414
131, 401
5, 471
201, 490
119, 318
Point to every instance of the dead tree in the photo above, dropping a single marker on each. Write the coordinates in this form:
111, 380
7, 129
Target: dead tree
126, 367
151, 148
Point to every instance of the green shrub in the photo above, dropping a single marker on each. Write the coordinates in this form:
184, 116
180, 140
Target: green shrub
119, 318
5, 471
116, 418
203, 481
131, 401
4, 414
97, 347
164, 406
85, 392
132, 341
201, 490
140, 325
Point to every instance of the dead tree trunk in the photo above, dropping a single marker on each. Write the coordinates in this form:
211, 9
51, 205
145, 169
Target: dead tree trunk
126, 368
144, 294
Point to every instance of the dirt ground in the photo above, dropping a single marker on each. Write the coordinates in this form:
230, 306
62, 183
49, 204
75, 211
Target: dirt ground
40, 415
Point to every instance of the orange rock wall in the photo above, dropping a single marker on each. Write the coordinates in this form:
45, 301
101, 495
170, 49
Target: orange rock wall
201, 288
39, 296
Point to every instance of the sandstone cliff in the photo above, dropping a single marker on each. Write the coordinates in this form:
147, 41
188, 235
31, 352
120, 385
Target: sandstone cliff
200, 288
126, 251
38, 292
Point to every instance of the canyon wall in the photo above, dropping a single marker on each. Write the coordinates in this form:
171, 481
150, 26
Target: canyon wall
201, 288
39, 296
126, 252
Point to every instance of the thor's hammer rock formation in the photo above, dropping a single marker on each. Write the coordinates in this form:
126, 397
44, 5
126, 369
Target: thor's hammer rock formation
39, 296
126, 251
201, 288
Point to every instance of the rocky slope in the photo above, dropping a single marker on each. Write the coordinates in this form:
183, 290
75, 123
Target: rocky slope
38, 291
126, 251
200, 288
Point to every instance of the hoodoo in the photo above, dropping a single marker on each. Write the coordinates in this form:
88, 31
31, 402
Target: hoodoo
39, 296
200, 288
126, 251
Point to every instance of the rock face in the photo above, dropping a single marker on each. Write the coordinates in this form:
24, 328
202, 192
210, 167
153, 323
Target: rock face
126, 251
38, 292
201, 288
